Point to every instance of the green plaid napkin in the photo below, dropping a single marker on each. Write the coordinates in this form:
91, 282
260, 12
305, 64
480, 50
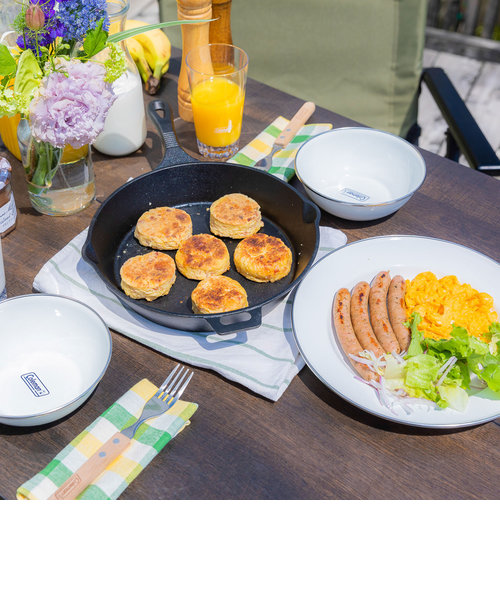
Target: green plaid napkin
283, 160
148, 441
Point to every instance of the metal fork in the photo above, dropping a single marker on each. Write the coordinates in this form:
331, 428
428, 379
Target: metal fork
165, 397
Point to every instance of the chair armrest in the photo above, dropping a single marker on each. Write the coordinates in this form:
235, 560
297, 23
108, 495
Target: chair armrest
462, 126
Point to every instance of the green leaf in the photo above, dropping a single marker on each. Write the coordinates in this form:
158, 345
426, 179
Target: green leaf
95, 40
494, 338
123, 35
491, 375
460, 344
487, 368
417, 336
421, 371
28, 74
7, 61
454, 396
494, 328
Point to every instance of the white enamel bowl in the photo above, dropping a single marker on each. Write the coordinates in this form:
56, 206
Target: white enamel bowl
53, 353
358, 173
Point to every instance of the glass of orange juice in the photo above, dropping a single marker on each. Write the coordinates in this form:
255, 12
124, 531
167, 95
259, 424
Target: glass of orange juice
217, 75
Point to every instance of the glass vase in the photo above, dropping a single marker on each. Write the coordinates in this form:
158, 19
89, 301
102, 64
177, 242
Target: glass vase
60, 181
125, 126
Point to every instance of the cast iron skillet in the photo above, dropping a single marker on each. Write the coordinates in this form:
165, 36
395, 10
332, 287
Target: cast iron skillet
183, 182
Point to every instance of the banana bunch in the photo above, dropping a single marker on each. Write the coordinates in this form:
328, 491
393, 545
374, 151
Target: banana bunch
151, 54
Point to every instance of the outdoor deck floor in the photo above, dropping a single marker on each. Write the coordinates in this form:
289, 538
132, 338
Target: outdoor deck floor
478, 83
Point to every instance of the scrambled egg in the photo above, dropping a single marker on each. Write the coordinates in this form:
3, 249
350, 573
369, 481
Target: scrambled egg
445, 302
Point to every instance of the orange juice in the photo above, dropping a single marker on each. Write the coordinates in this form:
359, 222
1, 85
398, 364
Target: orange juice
217, 105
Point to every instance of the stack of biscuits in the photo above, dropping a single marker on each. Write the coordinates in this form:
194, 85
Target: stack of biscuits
203, 256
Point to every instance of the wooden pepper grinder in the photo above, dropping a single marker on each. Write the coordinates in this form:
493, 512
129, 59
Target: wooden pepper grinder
220, 30
192, 36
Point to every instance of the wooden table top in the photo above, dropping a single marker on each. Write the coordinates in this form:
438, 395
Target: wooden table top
311, 444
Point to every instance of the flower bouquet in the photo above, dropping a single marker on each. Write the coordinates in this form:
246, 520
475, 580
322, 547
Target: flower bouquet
58, 77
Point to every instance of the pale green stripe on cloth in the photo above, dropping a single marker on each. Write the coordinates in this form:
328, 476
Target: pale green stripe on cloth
283, 160
149, 440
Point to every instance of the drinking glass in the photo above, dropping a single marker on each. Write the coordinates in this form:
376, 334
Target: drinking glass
217, 75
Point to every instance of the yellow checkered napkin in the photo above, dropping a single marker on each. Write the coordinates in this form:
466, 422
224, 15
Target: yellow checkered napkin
149, 439
283, 160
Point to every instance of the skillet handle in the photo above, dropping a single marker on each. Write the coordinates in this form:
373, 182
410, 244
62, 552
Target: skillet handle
221, 328
174, 154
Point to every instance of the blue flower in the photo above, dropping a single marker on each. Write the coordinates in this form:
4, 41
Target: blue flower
78, 16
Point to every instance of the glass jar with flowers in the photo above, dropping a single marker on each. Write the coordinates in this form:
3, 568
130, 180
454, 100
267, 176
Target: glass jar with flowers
59, 80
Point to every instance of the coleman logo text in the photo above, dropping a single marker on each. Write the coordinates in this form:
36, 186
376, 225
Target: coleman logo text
34, 384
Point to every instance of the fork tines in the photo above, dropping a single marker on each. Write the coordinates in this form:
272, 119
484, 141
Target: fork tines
176, 389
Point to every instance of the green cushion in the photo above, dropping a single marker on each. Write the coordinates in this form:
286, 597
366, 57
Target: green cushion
359, 58
168, 12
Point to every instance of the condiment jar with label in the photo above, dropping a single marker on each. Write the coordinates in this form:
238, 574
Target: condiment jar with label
8, 211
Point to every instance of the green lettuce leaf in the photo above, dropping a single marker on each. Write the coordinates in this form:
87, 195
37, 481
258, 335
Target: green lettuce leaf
394, 373
494, 329
487, 368
417, 337
457, 345
493, 336
421, 371
455, 397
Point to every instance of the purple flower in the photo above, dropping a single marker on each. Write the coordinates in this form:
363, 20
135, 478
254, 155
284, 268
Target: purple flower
52, 28
71, 105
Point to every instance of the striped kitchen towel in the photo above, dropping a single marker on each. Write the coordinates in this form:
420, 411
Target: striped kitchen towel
264, 359
283, 160
149, 439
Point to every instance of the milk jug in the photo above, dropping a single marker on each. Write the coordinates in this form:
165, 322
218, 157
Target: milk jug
125, 127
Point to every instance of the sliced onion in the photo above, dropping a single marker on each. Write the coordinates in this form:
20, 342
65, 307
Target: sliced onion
370, 360
445, 369
398, 357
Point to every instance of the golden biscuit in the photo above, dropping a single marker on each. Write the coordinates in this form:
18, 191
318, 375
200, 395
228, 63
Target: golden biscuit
163, 228
218, 293
262, 257
236, 216
202, 255
148, 275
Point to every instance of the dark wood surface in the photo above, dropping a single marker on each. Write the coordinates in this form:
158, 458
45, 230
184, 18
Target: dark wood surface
311, 444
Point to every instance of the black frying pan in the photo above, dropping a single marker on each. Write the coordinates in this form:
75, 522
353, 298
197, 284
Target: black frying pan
185, 183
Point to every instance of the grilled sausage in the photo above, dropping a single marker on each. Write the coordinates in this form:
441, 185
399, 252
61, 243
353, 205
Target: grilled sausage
397, 312
361, 320
345, 333
378, 313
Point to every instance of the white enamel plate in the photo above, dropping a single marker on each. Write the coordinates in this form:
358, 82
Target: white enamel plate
361, 261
